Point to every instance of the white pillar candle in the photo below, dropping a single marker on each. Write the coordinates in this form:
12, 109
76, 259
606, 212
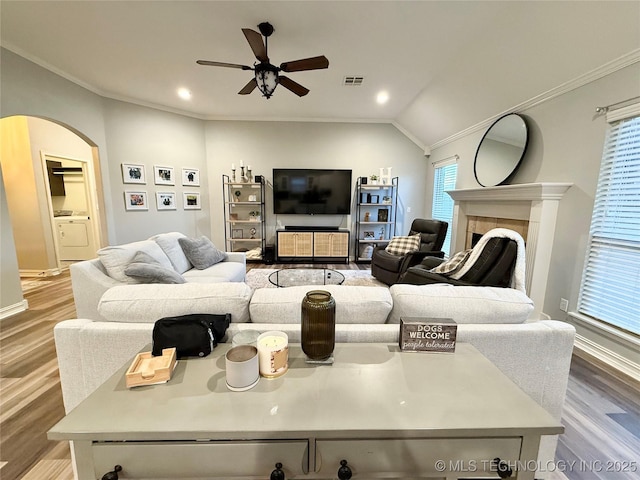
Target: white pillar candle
241, 163
248, 167
233, 166
273, 352
242, 372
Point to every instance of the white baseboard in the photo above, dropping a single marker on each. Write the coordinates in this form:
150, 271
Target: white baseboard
608, 357
51, 272
8, 311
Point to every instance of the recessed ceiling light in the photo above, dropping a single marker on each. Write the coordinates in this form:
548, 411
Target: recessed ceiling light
382, 97
184, 93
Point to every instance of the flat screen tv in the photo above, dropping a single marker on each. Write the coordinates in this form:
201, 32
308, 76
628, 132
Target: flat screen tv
311, 191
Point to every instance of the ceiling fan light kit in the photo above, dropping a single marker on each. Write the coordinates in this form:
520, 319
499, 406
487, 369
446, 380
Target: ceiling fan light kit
266, 75
266, 78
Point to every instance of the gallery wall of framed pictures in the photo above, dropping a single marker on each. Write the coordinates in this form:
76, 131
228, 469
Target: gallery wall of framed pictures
163, 176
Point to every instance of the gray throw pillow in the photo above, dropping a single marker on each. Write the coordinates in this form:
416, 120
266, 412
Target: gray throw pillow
146, 269
201, 252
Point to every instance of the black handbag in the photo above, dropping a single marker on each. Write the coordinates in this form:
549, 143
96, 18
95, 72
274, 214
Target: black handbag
194, 335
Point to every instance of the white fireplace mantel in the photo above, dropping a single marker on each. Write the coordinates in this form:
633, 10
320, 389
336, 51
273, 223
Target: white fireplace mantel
535, 202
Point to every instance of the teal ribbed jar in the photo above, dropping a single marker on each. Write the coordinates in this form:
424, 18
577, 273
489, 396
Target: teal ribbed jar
318, 325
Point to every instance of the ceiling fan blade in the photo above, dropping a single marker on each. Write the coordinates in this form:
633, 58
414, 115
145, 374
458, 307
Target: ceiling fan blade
249, 87
256, 44
295, 87
222, 64
313, 63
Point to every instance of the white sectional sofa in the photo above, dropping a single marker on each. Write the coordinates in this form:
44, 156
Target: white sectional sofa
534, 354
92, 278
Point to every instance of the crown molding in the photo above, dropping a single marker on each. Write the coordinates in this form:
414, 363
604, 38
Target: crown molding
410, 136
589, 77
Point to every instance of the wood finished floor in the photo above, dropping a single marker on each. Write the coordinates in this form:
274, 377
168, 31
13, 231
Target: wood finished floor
601, 414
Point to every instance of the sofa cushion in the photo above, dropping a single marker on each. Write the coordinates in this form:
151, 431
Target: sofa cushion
403, 245
354, 304
150, 302
169, 244
117, 258
220, 272
146, 269
201, 252
461, 303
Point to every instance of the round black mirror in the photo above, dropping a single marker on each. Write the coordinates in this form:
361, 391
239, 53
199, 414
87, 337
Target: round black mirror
501, 150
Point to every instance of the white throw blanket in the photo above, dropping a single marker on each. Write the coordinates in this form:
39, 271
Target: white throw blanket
518, 278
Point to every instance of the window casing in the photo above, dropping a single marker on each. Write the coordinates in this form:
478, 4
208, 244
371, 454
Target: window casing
610, 289
444, 179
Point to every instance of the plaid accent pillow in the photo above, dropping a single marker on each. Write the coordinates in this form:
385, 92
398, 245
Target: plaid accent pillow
403, 245
452, 265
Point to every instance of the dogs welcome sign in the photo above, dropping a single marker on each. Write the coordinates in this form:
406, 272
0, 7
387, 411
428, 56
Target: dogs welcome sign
419, 334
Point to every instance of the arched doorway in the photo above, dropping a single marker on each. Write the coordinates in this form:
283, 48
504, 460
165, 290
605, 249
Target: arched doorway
29, 146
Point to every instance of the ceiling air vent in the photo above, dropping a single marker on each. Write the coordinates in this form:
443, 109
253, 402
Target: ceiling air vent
353, 81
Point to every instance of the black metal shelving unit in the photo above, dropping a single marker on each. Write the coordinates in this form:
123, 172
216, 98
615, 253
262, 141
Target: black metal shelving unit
244, 217
373, 225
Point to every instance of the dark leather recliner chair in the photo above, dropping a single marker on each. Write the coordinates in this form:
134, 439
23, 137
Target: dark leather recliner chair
493, 268
388, 268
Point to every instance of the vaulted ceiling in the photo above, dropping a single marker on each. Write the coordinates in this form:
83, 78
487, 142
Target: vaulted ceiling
446, 65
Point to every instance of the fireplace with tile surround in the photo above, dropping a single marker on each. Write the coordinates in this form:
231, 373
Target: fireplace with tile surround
530, 209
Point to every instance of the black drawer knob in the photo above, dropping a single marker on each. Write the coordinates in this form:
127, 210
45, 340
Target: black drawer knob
504, 471
277, 474
112, 475
344, 472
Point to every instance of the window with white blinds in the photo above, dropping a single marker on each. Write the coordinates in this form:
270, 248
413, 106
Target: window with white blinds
444, 179
610, 289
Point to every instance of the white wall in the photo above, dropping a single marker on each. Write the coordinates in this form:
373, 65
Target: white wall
565, 145
363, 148
141, 135
27, 89
11, 299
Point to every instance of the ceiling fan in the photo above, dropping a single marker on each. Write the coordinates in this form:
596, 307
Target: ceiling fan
267, 76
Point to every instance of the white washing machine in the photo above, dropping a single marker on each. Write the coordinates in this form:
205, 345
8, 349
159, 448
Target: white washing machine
75, 237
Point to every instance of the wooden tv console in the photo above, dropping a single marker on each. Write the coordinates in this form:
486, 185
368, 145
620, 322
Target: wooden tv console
312, 245
388, 414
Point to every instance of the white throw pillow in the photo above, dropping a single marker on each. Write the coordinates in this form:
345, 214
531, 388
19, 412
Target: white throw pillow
169, 244
117, 258
403, 245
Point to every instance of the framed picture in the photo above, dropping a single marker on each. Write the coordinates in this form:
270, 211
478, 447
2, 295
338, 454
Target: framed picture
163, 175
166, 200
136, 201
237, 233
369, 235
383, 214
191, 201
191, 177
365, 198
133, 173
375, 198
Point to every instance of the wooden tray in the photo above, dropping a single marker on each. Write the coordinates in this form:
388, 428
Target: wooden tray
149, 370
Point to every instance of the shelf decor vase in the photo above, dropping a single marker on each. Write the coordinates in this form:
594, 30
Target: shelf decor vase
318, 326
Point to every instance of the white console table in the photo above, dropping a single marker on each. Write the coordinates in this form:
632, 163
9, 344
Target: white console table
389, 414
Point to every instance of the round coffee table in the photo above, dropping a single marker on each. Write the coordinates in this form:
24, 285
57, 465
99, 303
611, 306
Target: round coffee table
292, 277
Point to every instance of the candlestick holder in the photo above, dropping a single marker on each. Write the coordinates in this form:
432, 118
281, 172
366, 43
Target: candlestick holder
233, 174
242, 177
248, 175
